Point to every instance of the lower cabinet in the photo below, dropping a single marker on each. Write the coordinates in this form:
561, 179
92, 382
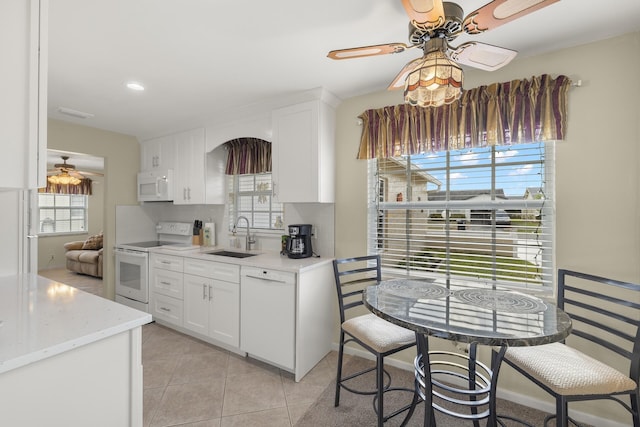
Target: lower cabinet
166, 288
211, 305
284, 318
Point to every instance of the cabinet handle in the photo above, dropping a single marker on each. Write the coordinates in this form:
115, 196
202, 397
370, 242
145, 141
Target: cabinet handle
209, 293
204, 291
165, 262
184, 193
168, 310
165, 283
188, 193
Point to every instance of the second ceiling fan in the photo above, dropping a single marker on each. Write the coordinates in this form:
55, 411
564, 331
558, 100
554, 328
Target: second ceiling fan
436, 78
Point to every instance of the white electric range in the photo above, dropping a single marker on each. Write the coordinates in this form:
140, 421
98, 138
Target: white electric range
132, 262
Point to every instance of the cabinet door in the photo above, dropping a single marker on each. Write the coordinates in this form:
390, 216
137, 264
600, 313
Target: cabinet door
157, 154
295, 167
224, 315
303, 153
190, 168
23, 104
196, 303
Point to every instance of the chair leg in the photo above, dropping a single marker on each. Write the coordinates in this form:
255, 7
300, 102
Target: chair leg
562, 412
339, 373
635, 407
380, 388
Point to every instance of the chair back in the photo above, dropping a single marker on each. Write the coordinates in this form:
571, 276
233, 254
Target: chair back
352, 276
605, 312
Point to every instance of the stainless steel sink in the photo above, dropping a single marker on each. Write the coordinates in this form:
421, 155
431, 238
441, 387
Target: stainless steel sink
231, 254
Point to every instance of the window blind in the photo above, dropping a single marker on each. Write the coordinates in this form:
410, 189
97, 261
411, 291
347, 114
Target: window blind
485, 213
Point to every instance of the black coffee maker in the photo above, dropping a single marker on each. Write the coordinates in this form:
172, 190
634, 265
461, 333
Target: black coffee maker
299, 241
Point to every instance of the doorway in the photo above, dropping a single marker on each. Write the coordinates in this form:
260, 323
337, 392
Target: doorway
70, 217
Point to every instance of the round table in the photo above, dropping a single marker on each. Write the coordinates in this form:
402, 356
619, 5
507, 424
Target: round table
471, 312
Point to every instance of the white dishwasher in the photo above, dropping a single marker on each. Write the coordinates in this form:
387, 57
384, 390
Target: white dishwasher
268, 315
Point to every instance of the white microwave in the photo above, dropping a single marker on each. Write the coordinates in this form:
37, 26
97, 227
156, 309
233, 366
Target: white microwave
155, 186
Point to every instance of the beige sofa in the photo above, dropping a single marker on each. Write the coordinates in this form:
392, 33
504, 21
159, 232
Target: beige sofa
85, 257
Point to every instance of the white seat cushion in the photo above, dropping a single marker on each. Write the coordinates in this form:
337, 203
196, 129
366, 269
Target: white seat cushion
569, 372
377, 333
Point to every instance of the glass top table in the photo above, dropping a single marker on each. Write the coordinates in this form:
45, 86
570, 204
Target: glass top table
466, 311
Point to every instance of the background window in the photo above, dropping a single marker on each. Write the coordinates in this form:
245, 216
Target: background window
251, 196
486, 213
62, 213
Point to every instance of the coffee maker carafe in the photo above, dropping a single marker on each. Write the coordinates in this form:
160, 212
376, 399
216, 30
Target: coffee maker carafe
299, 241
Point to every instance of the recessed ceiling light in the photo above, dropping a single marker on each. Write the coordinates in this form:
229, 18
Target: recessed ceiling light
135, 86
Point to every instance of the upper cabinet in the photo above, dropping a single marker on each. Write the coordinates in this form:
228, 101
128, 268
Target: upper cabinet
157, 154
23, 104
190, 167
303, 153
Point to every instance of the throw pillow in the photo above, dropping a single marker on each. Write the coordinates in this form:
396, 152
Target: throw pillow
93, 242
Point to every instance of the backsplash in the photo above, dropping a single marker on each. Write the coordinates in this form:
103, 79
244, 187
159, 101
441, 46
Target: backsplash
320, 215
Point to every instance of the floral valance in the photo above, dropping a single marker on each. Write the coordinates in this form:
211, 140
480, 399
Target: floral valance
248, 155
508, 113
83, 188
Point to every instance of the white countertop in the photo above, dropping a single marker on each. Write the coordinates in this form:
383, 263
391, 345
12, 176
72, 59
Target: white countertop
40, 318
263, 259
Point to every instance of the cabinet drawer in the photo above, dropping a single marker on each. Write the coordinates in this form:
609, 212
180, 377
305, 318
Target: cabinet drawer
167, 262
213, 270
167, 282
167, 308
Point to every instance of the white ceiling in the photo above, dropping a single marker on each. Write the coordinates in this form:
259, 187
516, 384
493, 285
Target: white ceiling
199, 59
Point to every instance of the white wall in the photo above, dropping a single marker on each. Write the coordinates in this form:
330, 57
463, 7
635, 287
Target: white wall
597, 166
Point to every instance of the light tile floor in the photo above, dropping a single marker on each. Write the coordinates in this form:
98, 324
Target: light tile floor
190, 383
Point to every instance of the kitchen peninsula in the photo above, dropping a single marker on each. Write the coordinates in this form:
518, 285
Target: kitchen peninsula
67, 357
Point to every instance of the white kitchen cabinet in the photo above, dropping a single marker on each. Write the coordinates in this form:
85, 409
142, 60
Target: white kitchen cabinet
23, 104
212, 300
303, 148
166, 288
157, 154
189, 168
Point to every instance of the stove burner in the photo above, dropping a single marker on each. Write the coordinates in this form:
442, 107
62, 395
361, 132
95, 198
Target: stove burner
417, 289
505, 302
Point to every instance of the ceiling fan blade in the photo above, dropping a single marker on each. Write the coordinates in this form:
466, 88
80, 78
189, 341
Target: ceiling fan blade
429, 13
482, 55
359, 52
499, 12
87, 173
398, 82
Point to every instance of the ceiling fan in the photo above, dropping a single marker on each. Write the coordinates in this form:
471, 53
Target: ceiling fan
66, 173
436, 78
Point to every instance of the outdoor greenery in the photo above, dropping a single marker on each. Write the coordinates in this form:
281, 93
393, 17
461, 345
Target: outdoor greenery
514, 269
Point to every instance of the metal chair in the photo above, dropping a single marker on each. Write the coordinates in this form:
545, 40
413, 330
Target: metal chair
606, 314
377, 336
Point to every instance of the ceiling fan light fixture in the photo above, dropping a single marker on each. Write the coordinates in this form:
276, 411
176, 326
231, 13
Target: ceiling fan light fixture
63, 178
435, 81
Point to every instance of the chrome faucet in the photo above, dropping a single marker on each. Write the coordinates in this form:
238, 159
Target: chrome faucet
250, 241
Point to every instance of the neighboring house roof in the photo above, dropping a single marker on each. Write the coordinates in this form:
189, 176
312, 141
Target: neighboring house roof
402, 164
464, 194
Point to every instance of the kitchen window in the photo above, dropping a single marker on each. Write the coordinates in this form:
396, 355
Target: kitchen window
251, 196
485, 213
62, 213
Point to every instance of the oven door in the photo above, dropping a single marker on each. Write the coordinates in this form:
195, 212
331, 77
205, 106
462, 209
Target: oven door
132, 269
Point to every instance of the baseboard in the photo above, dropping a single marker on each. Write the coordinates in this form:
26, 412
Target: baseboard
521, 399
